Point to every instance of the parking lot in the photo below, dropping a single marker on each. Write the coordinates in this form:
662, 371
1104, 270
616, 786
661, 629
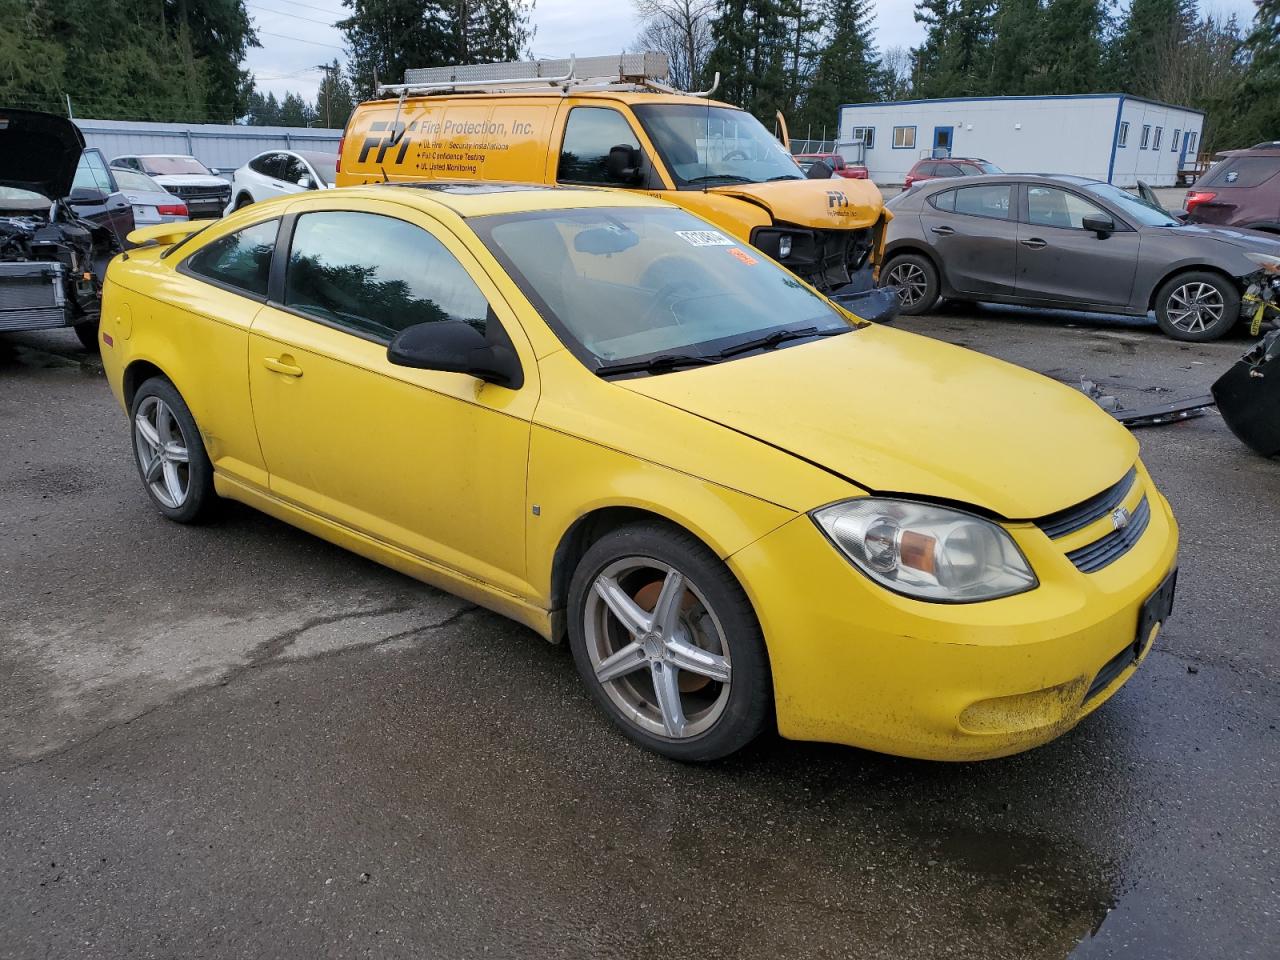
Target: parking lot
237, 740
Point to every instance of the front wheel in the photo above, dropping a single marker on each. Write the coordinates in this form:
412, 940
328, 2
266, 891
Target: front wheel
170, 454
88, 334
916, 279
1198, 306
668, 644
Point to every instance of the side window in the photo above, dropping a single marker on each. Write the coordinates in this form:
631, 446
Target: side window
1123, 139
927, 170
1051, 207
949, 170
1242, 172
294, 169
375, 275
985, 201
946, 200
589, 134
904, 138
92, 172
1155, 144
1173, 144
1146, 136
274, 166
241, 259
259, 163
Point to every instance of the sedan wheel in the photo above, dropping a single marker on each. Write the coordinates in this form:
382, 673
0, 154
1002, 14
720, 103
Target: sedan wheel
170, 454
668, 643
657, 648
1197, 306
916, 280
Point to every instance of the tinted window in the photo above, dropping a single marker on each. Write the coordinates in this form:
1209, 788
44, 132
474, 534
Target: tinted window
241, 259
1051, 207
376, 275
294, 169
946, 200
926, 169
949, 170
1242, 172
984, 201
259, 163
589, 135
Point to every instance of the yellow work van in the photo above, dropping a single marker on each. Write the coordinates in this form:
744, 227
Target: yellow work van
612, 122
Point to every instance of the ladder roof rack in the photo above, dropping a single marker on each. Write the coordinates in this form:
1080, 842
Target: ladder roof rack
627, 71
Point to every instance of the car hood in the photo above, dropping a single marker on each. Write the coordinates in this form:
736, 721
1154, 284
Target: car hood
1236, 236
893, 412
825, 204
188, 180
38, 152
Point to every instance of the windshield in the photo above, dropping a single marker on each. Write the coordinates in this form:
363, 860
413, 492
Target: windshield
711, 146
624, 284
987, 167
168, 166
1135, 208
13, 193
324, 164
133, 180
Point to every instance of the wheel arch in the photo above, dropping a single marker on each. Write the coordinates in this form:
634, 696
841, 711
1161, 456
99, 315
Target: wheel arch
135, 375
1190, 268
912, 245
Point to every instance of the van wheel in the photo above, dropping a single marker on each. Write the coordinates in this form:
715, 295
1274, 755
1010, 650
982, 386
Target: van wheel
668, 644
170, 454
1197, 306
916, 279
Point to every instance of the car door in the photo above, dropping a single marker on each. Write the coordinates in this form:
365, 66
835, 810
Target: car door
1060, 262
115, 212
273, 170
974, 232
432, 463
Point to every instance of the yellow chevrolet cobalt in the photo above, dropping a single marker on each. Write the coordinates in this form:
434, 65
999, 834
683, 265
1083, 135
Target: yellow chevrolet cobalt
611, 421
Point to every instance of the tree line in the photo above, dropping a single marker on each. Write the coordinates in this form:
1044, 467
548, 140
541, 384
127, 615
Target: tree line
807, 57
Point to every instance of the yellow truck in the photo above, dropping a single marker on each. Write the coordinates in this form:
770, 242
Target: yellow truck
613, 122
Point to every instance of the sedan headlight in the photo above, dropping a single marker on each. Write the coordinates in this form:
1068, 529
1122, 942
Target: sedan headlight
928, 552
1267, 262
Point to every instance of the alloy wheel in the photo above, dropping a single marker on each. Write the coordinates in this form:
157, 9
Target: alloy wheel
910, 281
1195, 306
162, 452
657, 648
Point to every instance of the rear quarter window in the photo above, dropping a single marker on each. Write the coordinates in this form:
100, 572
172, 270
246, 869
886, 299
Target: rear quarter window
240, 260
1243, 172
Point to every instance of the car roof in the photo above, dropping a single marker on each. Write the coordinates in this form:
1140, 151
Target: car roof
943, 183
622, 96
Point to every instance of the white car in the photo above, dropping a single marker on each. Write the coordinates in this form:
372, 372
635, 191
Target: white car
277, 172
204, 193
151, 202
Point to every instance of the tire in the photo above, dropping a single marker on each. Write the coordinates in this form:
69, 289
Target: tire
1198, 306
243, 201
916, 279
711, 653
181, 489
88, 334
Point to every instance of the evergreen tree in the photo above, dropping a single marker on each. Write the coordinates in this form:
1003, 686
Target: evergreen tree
1069, 48
1016, 47
955, 59
1259, 99
263, 111
752, 45
295, 111
334, 101
847, 70
1148, 33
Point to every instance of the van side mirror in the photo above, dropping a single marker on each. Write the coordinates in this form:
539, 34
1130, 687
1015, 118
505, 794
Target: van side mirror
623, 164
1102, 226
454, 346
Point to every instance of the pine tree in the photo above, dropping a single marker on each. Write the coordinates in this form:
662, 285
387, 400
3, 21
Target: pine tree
1015, 49
1139, 54
847, 70
1069, 48
1259, 100
955, 59
334, 102
752, 46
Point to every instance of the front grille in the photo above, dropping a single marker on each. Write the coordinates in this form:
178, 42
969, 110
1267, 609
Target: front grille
1075, 518
199, 194
1114, 545
31, 295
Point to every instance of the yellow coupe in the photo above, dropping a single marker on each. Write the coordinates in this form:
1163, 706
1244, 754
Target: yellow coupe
611, 421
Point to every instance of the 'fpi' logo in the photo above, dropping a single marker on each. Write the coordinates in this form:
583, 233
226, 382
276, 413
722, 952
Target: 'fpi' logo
837, 201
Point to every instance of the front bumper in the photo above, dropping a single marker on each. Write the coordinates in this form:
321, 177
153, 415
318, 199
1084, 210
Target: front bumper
855, 664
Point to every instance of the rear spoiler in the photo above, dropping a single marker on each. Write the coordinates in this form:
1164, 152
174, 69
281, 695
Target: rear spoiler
166, 234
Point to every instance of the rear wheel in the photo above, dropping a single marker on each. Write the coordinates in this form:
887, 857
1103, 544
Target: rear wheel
170, 454
1198, 306
88, 334
243, 201
668, 644
916, 279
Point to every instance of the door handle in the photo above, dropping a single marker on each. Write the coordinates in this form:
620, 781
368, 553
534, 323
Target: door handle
943, 231
1035, 243
282, 366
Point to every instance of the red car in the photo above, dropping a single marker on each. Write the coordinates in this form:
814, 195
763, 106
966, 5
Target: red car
1242, 190
851, 171
948, 167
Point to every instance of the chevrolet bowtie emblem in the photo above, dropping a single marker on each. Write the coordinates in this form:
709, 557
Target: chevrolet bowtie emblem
1120, 518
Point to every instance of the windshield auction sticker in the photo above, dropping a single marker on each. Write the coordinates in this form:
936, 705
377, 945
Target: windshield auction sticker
743, 256
705, 238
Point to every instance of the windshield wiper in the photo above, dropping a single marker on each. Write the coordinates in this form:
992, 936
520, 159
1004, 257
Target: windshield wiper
659, 364
784, 176
731, 177
771, 340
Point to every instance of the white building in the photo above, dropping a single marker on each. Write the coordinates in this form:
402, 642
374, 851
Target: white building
1106, 136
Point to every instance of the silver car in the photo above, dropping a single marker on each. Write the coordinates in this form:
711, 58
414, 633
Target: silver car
1073, 243
151, 202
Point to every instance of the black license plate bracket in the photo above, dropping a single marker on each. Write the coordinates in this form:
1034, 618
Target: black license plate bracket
1155, 610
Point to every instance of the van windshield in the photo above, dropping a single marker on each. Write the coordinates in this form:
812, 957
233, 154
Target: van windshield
712, 146
622, 285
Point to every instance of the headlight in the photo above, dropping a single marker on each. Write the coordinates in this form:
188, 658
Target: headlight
928, 552
1267, 262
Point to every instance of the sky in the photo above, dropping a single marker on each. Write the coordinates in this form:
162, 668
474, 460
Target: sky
298, 35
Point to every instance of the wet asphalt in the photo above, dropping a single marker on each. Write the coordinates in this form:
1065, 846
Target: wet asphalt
239, 741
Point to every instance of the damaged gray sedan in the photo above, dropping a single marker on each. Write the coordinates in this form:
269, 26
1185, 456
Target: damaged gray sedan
51, 257
1071, 243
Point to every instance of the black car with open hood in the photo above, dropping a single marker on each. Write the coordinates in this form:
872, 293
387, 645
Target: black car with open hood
52, 257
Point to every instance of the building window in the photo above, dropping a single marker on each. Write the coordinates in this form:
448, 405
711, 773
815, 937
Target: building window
865, 136
1146, 136
1173, 146
1191, 142
1155, 144
1123, 139
904, 138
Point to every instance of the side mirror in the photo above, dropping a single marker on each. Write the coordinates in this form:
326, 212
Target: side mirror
454, 346
305, 182
87, 196
1102, 226
819, 170
623, 164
